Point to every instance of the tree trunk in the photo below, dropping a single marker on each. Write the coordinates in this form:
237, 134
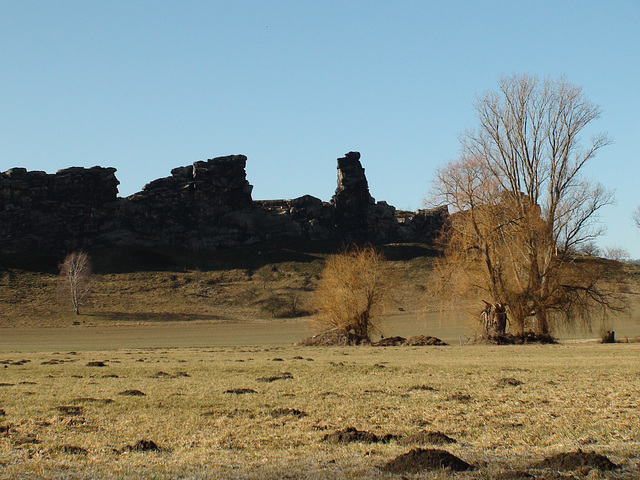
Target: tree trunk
542, 325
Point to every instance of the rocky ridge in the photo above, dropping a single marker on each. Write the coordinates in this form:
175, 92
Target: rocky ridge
207, 205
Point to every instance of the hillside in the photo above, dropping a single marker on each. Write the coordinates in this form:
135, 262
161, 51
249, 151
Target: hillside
263, 281
259, 282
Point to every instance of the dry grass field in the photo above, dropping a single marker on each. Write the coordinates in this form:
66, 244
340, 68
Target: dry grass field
263, 412
183, 372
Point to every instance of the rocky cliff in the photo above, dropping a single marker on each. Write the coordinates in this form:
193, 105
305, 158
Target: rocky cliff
203, 206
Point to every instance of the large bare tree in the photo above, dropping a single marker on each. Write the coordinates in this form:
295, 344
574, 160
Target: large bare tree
522, 208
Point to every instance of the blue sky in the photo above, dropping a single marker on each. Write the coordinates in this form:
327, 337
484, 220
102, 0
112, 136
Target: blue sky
145, 86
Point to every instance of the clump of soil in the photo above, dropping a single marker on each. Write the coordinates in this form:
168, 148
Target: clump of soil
273, 378
162, 374
503, 382
142, 446
96, 364
433, 438
420, 459
390, 342
575, 461
459, 397
15, 363
422, 388
520, 339
423, 341
285, 412
132, 393
69, 409
240, 391
350, 435
102, 401
338, 338
416, 341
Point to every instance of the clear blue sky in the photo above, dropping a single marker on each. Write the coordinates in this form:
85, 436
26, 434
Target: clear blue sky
145, 86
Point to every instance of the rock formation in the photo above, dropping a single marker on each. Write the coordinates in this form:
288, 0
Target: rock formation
203, 206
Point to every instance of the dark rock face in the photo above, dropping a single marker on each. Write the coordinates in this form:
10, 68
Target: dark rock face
203, 206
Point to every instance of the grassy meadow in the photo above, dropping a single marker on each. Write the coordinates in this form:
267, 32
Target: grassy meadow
179, 371
506, 407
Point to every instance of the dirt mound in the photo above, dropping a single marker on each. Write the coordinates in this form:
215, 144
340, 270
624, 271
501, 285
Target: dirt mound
69, 409
240, 391
100, 401
508, 339
415, 341
132, 393
575, 461
350, 435
96, 364
503, 382
424, 341
273, 378
390, 342
433, 438
420, 459
142, 446
287, 412
333, 338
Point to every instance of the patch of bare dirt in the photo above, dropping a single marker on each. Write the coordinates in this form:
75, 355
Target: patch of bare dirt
420, 459
459, 397
132, 393
273, 378
521, 339
415, 341
100, 401
287, 412
422, 388
142, 446
389, 342
509, 381
333, 338
240, 391
350, 435
14, 362
96, 364
69, 409
574, 461
424, 341
162, 374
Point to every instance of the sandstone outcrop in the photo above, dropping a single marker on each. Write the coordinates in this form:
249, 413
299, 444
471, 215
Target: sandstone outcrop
207, 205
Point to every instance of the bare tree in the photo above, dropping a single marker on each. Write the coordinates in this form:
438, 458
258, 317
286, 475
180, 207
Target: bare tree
636, 216
75, 279
352, 292
522, 208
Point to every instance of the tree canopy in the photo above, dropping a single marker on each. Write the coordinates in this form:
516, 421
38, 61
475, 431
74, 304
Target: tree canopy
522, 207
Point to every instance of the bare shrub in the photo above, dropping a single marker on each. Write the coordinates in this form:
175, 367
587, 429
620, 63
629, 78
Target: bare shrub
352, 292
75, 279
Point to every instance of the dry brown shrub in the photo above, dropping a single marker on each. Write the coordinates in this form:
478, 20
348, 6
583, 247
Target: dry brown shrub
353, 291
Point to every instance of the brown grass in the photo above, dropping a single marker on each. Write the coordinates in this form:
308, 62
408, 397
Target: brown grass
571, 396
